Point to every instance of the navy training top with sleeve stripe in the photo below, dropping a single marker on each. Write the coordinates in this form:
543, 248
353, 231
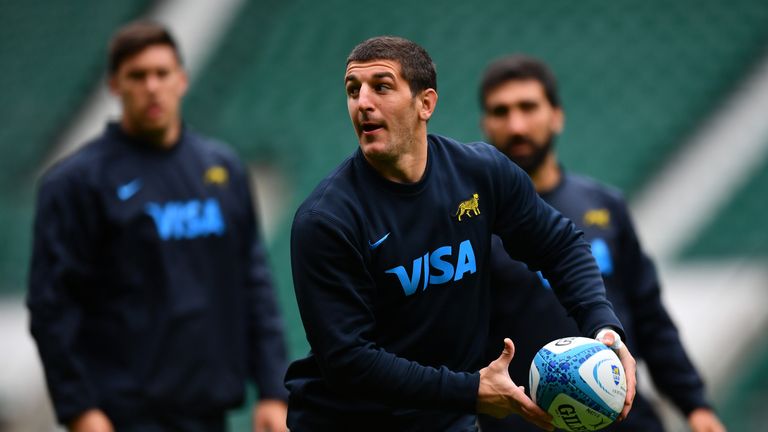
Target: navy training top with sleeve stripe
149, 290
631, 285
392, 283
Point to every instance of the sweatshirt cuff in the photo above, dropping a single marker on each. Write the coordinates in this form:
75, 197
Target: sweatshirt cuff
460, 391
687, 406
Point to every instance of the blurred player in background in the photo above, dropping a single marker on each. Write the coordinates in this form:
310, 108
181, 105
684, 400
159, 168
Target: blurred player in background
390, 264
150, 297
522, 116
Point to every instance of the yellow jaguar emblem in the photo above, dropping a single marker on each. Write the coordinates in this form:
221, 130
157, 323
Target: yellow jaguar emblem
469, 207
216, 174
597, 217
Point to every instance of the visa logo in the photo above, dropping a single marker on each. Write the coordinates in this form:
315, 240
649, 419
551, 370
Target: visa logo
177, 220
436, 268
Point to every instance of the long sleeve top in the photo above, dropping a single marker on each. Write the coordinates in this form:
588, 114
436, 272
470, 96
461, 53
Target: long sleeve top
149, 287
393, 286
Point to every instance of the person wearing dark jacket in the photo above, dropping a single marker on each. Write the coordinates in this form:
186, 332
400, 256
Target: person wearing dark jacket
521, 117
150, 295
390, 260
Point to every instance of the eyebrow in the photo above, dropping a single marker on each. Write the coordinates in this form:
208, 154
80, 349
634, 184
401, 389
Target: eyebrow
380, 75
384, 75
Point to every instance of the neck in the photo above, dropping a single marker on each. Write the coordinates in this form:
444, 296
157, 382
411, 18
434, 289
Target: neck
162, 138
407, 167
548, 175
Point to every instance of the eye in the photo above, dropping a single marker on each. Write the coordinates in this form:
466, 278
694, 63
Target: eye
136, 75
498, 111
529, 106
353, 90
382, 87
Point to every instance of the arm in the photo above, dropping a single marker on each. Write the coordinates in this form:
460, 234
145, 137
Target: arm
267, 347
267, 351
656, 335
65, 230
335, 295
537, 234
534, 232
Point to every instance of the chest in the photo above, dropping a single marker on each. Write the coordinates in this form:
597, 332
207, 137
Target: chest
169, 199
428, 244
601, 227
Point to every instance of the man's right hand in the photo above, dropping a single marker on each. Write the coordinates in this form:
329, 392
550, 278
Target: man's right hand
93, 420
499, 396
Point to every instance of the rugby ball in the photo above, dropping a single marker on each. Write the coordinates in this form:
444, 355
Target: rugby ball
580, 382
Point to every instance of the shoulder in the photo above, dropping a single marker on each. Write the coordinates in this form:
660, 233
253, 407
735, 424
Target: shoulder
332, 207
216, 152
455, 149
588, 185
211, 146
478, 159
78, 168
333, 193
599, 195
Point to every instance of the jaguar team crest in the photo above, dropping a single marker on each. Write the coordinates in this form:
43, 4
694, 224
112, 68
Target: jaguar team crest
469, 207
599, 217
216, 174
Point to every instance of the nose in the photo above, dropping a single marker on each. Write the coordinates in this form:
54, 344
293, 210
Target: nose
365, 99
516, 123
152, 82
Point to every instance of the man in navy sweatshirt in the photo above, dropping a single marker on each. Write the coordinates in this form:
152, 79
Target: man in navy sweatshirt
391, 264
522, 116
150, 297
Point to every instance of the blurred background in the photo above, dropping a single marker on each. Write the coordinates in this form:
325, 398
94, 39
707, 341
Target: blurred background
666, 100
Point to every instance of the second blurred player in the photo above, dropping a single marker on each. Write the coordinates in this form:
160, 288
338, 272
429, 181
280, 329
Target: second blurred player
522, 116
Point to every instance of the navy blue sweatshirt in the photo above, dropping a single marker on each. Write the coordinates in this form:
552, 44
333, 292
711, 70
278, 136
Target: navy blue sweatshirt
149, 289
632, 287
392, 282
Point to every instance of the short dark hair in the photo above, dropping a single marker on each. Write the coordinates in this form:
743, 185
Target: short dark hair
135, 37
519, 67
416, 65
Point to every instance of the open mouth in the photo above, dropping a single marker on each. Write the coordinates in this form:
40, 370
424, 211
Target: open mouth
369, 127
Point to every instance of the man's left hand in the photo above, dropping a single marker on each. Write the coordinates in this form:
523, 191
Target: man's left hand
610, 338
704, 420
269, 415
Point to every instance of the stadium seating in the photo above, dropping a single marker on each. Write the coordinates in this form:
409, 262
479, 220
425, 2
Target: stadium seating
52, 53
739, 228
636, 79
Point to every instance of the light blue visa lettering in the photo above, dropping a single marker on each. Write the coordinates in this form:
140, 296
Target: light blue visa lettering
602, 254
175, 220
436, 268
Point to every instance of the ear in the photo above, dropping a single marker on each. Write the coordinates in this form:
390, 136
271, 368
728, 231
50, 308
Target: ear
112, 82
427, 103
184, 84
558, 120
484, 123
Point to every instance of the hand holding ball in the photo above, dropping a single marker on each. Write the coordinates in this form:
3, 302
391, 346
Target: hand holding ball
580, 382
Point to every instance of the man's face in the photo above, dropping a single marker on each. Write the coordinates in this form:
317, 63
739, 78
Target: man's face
150, 85
384, 113
520, 121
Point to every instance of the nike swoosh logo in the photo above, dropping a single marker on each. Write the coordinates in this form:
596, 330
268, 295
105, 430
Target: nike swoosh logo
378, 242
126, 191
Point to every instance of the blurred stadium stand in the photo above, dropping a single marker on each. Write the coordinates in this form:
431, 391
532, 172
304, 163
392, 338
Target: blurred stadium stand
637, 80
739, 228
51, 54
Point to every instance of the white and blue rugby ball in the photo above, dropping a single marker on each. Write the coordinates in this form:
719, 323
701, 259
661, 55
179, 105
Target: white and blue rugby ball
580, 382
